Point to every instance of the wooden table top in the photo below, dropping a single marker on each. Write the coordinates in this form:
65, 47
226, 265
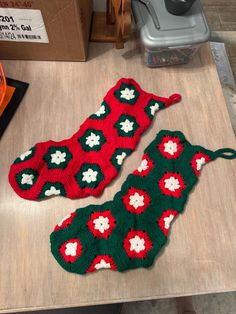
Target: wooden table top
201, 254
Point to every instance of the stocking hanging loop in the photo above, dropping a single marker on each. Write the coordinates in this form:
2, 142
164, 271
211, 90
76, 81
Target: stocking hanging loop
173, 99
226, 153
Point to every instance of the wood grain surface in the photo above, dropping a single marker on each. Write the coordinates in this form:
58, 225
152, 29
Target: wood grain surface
220, 14
201, 254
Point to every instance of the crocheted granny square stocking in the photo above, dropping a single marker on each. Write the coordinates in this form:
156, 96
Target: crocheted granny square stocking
87, 162
129, 231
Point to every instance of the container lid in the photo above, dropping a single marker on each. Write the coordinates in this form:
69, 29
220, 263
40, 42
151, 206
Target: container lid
190, 28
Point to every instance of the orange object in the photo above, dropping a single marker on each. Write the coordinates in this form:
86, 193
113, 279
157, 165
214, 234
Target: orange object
6, 100
3, 85
6, 92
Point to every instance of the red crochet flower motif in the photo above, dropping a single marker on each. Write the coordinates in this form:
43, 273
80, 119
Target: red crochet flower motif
165, 220
137, 244
71, 250
172, 184
199, 160
101, 262
101, 224
145, 167
170, 147
136, 201
65, 222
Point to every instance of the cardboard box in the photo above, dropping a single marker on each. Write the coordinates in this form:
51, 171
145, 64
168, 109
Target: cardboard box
45, 29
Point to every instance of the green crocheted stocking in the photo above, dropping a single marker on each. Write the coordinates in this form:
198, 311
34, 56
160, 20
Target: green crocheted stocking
129, 231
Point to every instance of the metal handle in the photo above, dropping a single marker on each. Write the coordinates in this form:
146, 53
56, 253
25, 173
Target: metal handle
152, 12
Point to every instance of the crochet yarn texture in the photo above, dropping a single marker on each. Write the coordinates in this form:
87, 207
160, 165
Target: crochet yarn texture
87, 162
129, 231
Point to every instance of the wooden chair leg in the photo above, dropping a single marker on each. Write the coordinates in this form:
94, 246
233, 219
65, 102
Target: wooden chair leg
119, 40
110, 15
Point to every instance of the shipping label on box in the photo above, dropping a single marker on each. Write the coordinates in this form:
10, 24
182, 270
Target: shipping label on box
23, 25
45, 30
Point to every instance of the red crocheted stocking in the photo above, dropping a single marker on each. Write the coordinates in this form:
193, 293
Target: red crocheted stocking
87, 162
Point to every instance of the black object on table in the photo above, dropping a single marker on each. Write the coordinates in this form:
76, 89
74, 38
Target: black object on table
178, 7
20, 89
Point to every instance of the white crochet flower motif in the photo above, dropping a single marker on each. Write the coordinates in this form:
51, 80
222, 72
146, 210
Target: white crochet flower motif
90, 176
71, 249
168, 220
127, 93
172, 184
137, 244
58, 157
154, 108
120, 158
200, 162
52, 191
101, 223
136, 200
100, 111
63, 219
143, 166
127, 126
26, 154
102, 264
27, 179
170, 147
92, 140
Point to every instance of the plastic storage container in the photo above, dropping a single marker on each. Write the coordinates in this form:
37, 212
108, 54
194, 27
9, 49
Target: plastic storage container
178, 38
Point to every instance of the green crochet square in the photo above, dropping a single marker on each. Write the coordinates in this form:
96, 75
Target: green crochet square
126, 125
127, 93
57, 157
